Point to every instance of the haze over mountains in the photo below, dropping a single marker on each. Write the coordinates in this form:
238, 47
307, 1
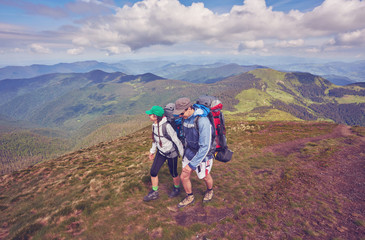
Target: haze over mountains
69, 100
333, 71
85, 108
339, 73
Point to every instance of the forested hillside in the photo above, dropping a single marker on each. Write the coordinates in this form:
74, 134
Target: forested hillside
97, 106
20, 149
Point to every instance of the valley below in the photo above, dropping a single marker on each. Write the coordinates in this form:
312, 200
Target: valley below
49, 115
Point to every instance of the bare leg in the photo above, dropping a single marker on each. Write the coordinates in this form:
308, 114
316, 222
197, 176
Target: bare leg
154, 181
208, 181
185, 179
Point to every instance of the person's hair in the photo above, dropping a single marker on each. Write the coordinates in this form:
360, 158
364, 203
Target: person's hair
158, 130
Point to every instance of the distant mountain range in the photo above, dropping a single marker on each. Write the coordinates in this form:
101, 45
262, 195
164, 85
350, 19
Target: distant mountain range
360, 84
68, 101
14, 72
339, 80
64, 111
53, 99
338, 73
211, 74
348, 72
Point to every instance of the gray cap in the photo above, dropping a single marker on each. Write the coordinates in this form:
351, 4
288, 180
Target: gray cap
169, 107
181, 104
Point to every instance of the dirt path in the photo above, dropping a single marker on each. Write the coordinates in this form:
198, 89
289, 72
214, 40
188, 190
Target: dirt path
337, 189
294, 146
347, 178
344, 179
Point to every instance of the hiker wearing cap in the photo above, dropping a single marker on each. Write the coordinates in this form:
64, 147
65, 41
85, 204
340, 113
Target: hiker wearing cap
166, 146
198, 145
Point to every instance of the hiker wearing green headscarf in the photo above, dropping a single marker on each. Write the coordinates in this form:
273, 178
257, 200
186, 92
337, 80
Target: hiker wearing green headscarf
165, 146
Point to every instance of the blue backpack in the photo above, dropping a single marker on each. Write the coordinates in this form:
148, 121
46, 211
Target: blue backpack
175, 122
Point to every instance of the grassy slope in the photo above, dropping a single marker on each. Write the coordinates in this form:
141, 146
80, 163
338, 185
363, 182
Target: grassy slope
21, 148
265, 92
96, 193
269, 88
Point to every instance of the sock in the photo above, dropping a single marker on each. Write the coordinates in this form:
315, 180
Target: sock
176, 186
190, 194
154, 188
209, 189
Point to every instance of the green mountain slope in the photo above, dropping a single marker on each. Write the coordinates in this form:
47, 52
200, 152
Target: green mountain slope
272, 95
211, 74
286, 180
98, 106
69, 102
60, 97
22, 148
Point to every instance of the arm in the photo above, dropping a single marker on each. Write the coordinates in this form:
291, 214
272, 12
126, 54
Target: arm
205, 140
153, 148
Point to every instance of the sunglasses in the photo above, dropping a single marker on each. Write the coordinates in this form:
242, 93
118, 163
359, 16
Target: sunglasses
183, 112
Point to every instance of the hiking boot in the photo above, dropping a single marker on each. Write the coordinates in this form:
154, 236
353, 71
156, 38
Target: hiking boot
208, 195
153, 195
189, 199
174, 193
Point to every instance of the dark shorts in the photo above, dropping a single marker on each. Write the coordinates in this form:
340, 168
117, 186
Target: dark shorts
159, 161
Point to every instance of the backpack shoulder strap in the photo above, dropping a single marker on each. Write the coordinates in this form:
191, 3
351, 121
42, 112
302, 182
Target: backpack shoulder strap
221, 117
211, 120
196, 123
164, 131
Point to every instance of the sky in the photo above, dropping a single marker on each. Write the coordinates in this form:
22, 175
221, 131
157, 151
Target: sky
49, 32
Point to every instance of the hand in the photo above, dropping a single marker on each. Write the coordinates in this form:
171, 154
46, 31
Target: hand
151, 156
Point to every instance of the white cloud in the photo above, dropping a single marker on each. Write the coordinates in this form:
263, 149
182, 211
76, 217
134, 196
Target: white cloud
114, 50
167, 22
18, 50
253, 26
313, 50
82, 41
335, 16
206, 52
37, 48
256, 44
355, 38
290, 43
75, 51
